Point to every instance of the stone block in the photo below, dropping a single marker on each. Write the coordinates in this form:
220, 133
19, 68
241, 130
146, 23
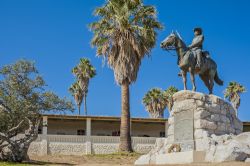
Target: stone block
234, 148
221, 127
143, 160
187, 94
183, 106
205, 124
198, 133
215, 117
214, 99
171, 130
171, 120
247, 160
180, 157
200, 103
201, 114
224, 119
214, 108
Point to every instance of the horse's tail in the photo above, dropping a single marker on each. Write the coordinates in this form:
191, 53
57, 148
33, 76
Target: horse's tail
217, 79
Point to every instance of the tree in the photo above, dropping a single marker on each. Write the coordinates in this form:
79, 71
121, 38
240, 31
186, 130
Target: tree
76, 92
155, 102
84, 71
123, 35
168, 93
23, 100
232, 93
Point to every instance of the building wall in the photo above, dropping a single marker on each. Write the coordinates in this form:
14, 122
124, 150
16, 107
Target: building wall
103, 128
246, 128
147, 129
65, 127
106, 128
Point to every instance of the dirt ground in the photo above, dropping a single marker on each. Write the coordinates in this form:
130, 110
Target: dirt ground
107, 160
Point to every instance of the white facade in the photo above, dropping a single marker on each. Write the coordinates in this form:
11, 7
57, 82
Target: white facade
101, 126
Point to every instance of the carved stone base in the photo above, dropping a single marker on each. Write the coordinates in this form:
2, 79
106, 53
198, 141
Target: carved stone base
194, 121
181, 157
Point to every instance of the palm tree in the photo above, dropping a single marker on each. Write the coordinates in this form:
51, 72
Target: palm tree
76, 92
124, 34
168, 93
232, 93
84, 71
155, 102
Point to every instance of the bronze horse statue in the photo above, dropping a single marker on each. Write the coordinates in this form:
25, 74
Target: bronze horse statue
187, 63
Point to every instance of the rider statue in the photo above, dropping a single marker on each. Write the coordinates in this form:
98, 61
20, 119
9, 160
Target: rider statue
196, 46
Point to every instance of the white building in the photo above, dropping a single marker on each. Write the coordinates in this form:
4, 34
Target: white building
79, 135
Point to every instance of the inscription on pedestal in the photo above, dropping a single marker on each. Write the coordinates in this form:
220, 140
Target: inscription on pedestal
184, 129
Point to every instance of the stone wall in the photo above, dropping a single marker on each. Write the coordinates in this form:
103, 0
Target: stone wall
58, 148
38, 148
201, 128
99, 148
211, 115
45, 147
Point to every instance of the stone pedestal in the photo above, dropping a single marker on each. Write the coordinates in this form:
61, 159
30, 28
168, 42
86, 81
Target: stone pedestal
181, 158
196, 116
194, 119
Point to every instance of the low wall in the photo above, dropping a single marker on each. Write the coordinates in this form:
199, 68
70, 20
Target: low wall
104, 148
58, 148
78, 145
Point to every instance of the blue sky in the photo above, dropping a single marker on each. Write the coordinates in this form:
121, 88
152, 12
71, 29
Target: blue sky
55, 35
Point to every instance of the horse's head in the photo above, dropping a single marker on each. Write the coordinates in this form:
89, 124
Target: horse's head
171, 41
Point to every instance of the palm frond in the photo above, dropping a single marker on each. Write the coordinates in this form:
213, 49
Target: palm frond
124, 34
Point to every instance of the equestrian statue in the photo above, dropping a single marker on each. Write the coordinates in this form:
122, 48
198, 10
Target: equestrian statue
193, 59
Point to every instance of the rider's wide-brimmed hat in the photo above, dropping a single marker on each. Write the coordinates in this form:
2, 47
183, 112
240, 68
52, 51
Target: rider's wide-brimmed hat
198, 29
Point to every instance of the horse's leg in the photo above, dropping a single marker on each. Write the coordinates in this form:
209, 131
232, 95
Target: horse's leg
184, 79
192, 76
205, 79
211, 81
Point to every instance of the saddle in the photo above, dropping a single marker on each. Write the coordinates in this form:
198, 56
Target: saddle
204, 58
205, 54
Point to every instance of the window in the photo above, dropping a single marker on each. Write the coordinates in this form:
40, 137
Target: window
39, 131
116, 133
162, 134
80, 132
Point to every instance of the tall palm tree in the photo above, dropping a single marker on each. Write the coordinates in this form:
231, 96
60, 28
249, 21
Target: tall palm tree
124, 34
155, 102
76, 92
232, 93
84, 71
168, 93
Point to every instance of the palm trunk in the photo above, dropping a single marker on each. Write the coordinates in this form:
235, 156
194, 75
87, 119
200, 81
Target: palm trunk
125, 138
79, 109
85, 104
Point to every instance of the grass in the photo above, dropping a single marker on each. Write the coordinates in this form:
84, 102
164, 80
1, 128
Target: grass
92, 157
10, 163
